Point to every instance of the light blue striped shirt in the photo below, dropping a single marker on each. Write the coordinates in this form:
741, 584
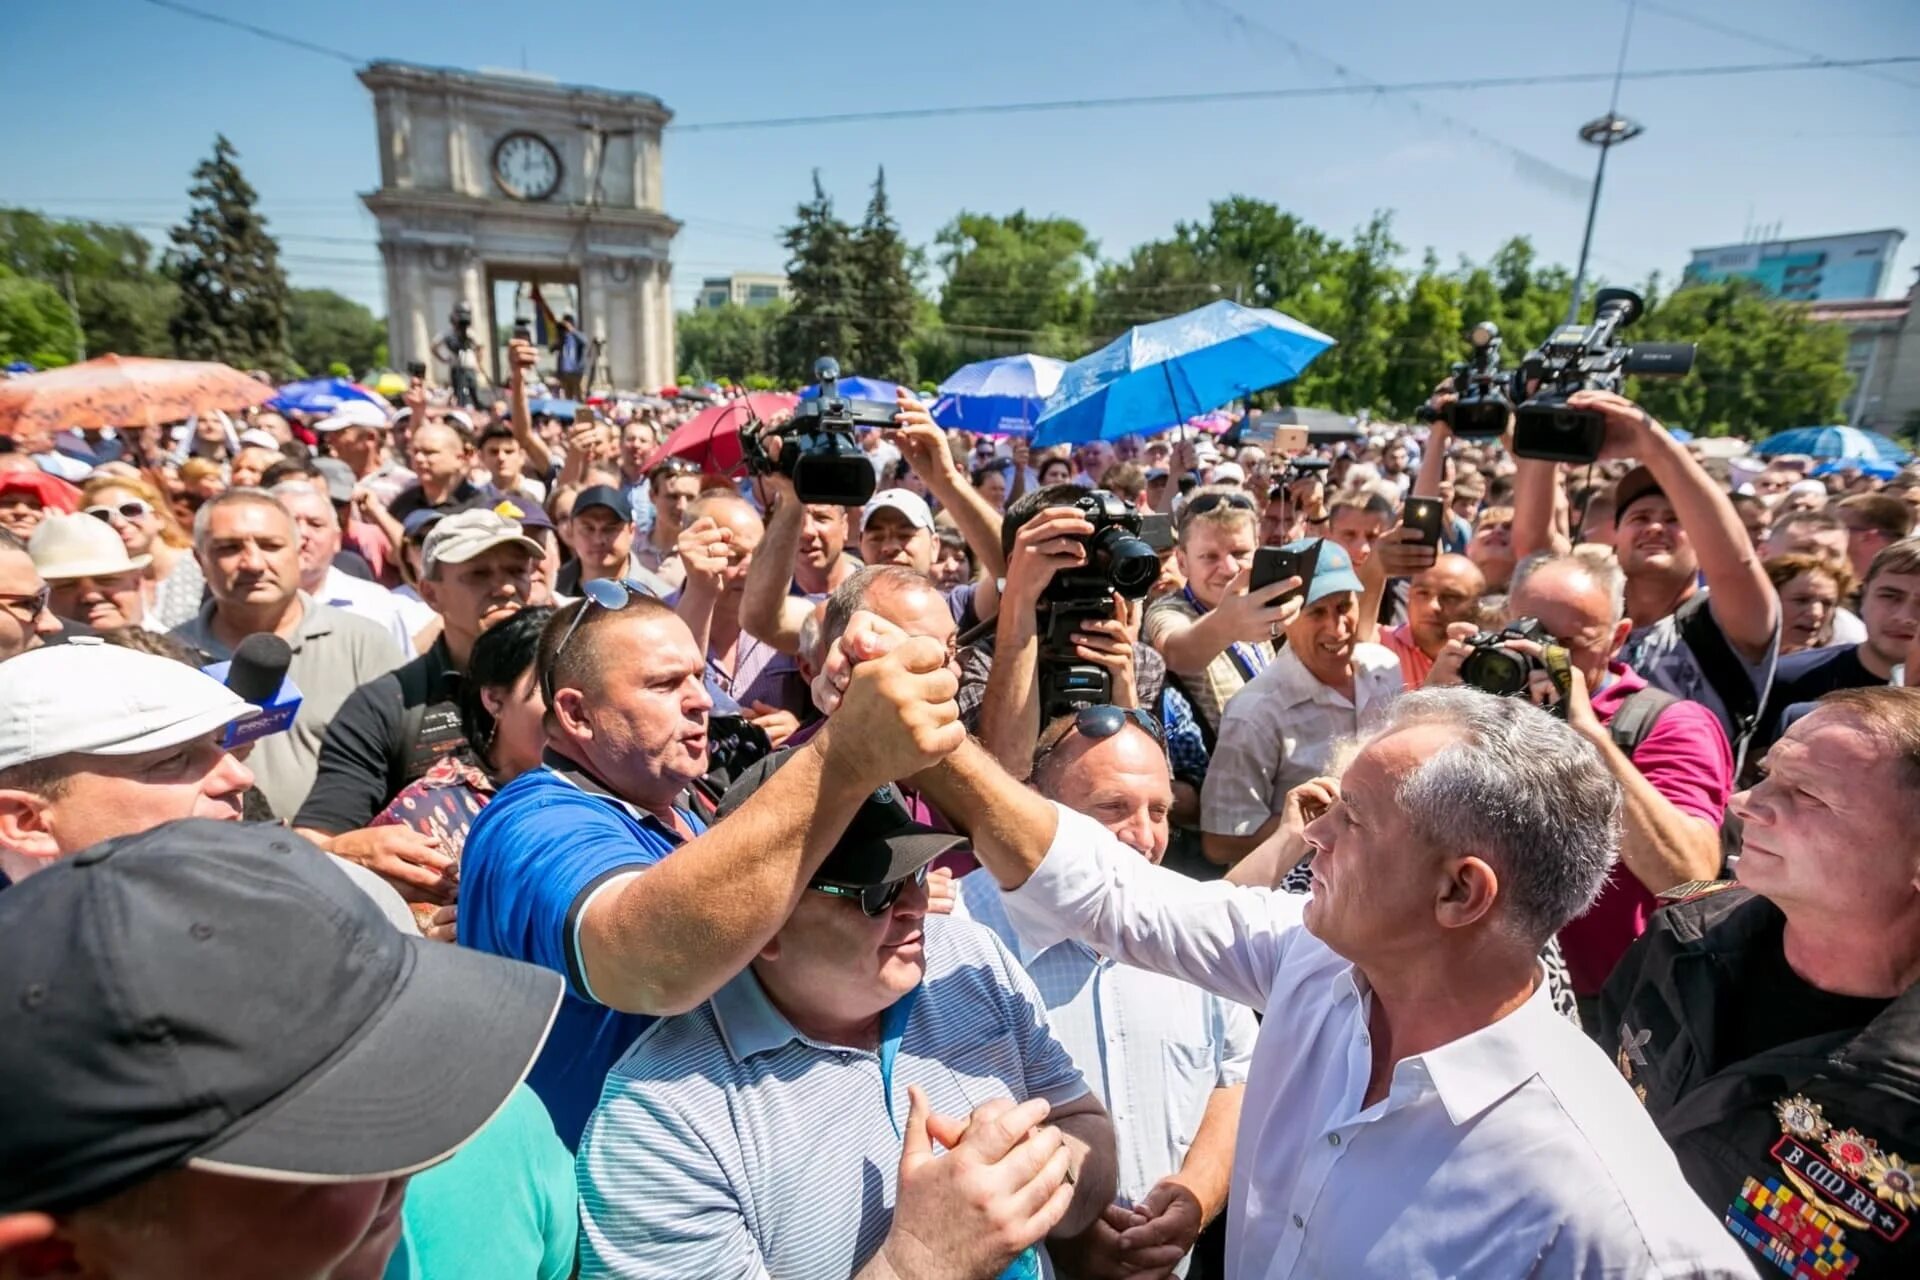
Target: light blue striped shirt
727, 1145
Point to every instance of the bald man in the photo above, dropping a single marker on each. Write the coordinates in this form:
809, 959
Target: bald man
1447, 592
440, 454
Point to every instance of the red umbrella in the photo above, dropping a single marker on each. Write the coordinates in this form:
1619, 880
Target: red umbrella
712, 436
124, 391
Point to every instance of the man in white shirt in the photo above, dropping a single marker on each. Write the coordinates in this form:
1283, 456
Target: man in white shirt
319, 528
1167, 1059
1416, 1107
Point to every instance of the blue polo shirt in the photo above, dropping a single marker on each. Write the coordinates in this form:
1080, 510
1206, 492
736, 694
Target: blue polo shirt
533, 860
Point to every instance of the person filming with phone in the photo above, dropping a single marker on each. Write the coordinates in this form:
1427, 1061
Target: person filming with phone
1670, 756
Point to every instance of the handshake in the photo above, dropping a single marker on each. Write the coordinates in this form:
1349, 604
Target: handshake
890, 702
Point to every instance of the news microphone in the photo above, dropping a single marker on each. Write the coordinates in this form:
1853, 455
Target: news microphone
257, 673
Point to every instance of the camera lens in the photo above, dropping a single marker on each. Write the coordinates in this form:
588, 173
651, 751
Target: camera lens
1125, 561
1495, 671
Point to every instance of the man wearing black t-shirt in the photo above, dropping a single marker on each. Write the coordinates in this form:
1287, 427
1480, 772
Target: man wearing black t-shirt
1890, 609
1773, 1028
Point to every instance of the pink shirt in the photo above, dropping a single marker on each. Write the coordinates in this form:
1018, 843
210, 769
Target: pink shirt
1686, 758
1414, 663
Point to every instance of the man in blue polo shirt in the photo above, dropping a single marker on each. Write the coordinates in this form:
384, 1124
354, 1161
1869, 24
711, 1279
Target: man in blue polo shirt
551, 872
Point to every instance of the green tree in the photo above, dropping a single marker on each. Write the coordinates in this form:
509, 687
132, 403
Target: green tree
325, 328
884, 264
823, 272
1761, 366
1358, 301
233, 294
1022, 279
736, 343
36, 325
123, 301
1427, 341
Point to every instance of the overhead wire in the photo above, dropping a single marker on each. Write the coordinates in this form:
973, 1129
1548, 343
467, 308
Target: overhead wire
1765, 42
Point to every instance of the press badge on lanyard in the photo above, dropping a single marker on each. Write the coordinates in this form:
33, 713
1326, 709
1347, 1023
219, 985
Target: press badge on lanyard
893, 1025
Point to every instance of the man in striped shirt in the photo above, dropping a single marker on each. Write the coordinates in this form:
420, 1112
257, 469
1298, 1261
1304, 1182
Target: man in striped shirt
785, 1127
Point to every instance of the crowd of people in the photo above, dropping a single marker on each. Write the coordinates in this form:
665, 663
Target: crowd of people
645, 872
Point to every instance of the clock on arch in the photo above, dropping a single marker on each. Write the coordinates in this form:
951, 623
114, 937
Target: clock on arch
526, 166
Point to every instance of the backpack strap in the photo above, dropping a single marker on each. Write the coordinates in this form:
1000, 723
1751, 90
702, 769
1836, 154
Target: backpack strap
1635, 719
1722, 667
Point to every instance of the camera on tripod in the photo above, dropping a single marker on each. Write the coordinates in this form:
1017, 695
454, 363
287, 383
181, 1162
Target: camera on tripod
818, 449
1118, 560
1481, 402
1586, 358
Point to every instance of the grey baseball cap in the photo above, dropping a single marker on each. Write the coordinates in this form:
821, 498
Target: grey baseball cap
219, 996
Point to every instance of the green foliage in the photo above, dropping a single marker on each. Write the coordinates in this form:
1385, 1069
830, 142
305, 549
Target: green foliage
824, 274
233, 294
124, 303
1021, 280
888, 301
325, 329
36, 324
1762, 365
730, 342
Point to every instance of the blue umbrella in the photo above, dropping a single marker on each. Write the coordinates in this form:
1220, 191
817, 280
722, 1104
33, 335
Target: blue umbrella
857, 388
1867, 466
1835, 442
1681, 434
998, 397
1155, 375
553, 408
322, 395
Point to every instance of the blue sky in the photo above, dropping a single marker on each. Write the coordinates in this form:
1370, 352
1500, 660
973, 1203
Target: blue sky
114, 101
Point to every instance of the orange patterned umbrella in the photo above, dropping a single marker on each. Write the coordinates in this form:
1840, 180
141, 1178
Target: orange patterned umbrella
124, 391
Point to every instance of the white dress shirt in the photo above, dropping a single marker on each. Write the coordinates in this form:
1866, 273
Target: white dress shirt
1153, 1048
1282, 728
1516, 1150
369, 600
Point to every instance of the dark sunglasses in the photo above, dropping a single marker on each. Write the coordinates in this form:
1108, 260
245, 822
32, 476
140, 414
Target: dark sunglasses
1095, 723
132, 509
611, 594
33, 605
1208, 501
874, 899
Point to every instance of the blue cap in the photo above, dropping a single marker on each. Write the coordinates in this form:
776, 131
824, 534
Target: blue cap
1332, 568
417, 522
1156, 473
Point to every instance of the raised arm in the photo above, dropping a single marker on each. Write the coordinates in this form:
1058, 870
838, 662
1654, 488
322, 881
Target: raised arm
1009, 722
664, 939
520, 359
703, 547
765, 602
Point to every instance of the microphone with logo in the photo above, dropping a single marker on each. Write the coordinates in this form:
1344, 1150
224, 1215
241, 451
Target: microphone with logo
257, 673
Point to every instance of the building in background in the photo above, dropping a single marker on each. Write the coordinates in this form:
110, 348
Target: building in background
1820, 269
742, 289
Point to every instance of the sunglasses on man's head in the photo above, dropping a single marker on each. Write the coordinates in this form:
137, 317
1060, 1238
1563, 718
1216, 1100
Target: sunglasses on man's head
1095, 723
1208, 501
131, 509
608, 593
874, 899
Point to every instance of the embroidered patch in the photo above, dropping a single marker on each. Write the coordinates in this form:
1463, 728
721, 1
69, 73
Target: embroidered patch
1793, 1233
1850, 1150
1835, 1192
1893, 1179
1632, 1050
1801, 1117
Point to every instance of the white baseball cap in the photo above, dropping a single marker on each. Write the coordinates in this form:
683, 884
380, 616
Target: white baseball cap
353, 413
80, 546
1229, 473
905, 501
259, 438
87, 697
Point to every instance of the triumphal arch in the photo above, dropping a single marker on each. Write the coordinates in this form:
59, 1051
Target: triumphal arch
489, 179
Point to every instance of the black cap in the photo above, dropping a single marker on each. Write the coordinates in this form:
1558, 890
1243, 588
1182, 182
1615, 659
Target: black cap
220, 996
882, 844
604, 495
1632, 487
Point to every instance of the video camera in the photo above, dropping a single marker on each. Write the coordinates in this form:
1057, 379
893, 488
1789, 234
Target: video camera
818, 449
1494, 668
1481, 404
1586, 358
1118, 559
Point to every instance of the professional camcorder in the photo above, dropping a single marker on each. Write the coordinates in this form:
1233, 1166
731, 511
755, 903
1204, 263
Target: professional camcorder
818, 449
1586, 358
1482, 403
1494, 668
1118, 560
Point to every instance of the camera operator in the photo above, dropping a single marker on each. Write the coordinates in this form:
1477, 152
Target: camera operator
1044, 534
799, 563
454, 347
1669, 755
1215, 633
1714, 644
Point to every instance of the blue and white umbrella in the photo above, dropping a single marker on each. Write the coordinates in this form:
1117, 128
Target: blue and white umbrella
854, 387
999, 397
1835, 442
1156, 375
321, 395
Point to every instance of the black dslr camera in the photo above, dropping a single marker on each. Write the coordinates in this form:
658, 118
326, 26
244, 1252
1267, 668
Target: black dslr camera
1118, 559
818, 450
1481, 404
1494, 668
1586, 358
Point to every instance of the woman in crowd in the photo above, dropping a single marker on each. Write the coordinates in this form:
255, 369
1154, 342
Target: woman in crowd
171, 585
1810, 588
